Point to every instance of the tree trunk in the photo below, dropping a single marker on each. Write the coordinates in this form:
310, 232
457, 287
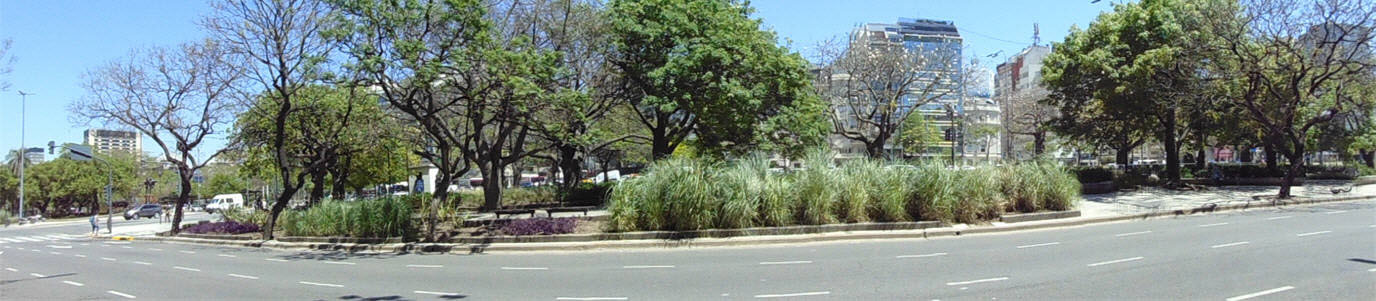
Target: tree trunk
1244, 154
570, 168
659, 143
874, 150
185, 177
340, 177
1172, 148
1368, 157
1122, 155
277, 206
443, 179
1295, 169
492, 185
1271, 157
317, 186
1038, 144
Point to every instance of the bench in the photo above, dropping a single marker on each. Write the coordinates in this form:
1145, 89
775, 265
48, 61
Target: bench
514, 211
583, 209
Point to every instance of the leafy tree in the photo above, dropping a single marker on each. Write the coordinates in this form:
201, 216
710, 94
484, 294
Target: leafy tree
1292, 65
704, 68
918, 133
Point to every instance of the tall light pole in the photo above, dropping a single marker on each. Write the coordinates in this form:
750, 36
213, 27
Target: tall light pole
23, 103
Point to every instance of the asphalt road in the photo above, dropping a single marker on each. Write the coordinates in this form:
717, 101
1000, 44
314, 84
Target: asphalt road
1323, 252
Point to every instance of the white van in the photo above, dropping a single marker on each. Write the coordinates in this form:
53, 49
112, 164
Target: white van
225, 201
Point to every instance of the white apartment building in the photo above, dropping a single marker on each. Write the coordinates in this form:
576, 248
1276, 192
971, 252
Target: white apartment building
104, 141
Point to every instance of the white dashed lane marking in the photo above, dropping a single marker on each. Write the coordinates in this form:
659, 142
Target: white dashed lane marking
186, 268
921, 255
73, 283
436, 293
647, 267
1261, 293
793, 295
524, 268
423, 266
227, 255
1230, 244
319, 284
339, 262
1278, 217
1115, 261
143, 263
977, 281
785, 262
128, 296
242, 276
1212, 225
589, 298
275, 259
1312, 233
1132, 233
1039, 245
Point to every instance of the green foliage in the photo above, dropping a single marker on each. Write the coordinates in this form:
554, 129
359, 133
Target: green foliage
708, 62
383, 217
686, 194
5, 218
245, 215
1093, 174
918, 133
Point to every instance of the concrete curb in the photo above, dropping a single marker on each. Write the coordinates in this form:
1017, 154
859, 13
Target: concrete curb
752, 240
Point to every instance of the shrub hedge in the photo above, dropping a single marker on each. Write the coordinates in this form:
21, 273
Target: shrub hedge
692, 194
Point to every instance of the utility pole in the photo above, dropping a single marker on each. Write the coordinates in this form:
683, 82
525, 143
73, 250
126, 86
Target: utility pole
23, 106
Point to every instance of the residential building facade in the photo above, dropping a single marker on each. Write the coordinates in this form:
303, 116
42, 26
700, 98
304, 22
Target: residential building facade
106, 141
1017, 90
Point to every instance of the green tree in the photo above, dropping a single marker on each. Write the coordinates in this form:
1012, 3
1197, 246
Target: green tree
704, 68
917, 134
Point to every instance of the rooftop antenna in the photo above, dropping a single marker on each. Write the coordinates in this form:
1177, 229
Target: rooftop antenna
1036, 34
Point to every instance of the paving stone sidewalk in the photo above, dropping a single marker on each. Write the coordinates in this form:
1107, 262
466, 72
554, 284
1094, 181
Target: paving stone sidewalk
1151, 199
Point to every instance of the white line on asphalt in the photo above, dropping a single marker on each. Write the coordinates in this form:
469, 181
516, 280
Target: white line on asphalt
436, 293
590, 298
523, 269
1115, 261
1312, 233
227, 255
11, 269
107, 259
275, 259
143, 263
1278, 217
85, 244
121, 294
1335, 212
338, 262
977, 281
79, 255
37, 275
1261, 293
116, 242
1039, 245
21, 248
920, 256
786, 262
1371, 270
55, 253
1211, 225
73, 283
127, 247
186, 268
794, 295
647, 266
242, 276
1132, 233
188, 252
1230, 244
154, 249
423, 266
59, 247
35, 250
319, 284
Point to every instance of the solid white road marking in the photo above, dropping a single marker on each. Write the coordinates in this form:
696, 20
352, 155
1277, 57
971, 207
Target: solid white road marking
59, 247
79, 255
186, 268
107, 259
647, 266
1371, 270
423, 266
55, 253
1278, 217
524, 268
1039, 245
1115, 261
338, 262
73, 283
977, 281
121, 294
319, 284
1230, 244
37, 275
1335, 212
242, 276
785, 262
1133, 233
436, 293
275, 259
1261, 293
794, 295
188, 252
970, 282
154, 249
227, 255
1312, 233
143, 263
590, 298
920, 256
11, 269
1212, 225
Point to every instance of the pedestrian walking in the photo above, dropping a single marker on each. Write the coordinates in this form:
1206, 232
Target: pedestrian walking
95, 227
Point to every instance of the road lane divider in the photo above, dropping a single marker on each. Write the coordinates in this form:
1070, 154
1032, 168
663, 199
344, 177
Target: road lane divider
242, 276
186, 268
37, 275
1132, 233
424, 266
1230, 244
1212, 225
319, 284
589, 298
647, 266
921, 255
126, 296
1115, 261
275, 259
976, 281
142, 263
1312, 233
339, 262
187, 252
1278, 217
1261, 293
436, 293
524, 268
227, 255
785, 262
1336, 212
107, 259
73, 283
791, 295
1039, 245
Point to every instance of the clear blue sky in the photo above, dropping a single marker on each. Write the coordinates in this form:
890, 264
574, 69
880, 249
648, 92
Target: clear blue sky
57, 41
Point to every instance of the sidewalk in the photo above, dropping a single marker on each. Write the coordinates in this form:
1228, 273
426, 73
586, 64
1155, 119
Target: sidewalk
1152, 199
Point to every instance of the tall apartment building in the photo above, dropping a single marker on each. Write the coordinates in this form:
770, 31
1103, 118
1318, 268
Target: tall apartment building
34, 155
934, 39
105, 141
1017, 88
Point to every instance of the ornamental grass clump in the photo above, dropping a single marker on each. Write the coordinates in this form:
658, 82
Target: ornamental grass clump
740, 189
976, 194
853, 182
889, 194
932, 197
816, 191
372, 218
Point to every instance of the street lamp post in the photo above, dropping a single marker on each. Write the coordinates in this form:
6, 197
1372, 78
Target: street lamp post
23, 107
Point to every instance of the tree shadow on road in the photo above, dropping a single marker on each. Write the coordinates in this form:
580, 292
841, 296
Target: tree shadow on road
36, 278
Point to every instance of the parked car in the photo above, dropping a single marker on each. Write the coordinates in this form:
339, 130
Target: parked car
145, 210
225, 201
